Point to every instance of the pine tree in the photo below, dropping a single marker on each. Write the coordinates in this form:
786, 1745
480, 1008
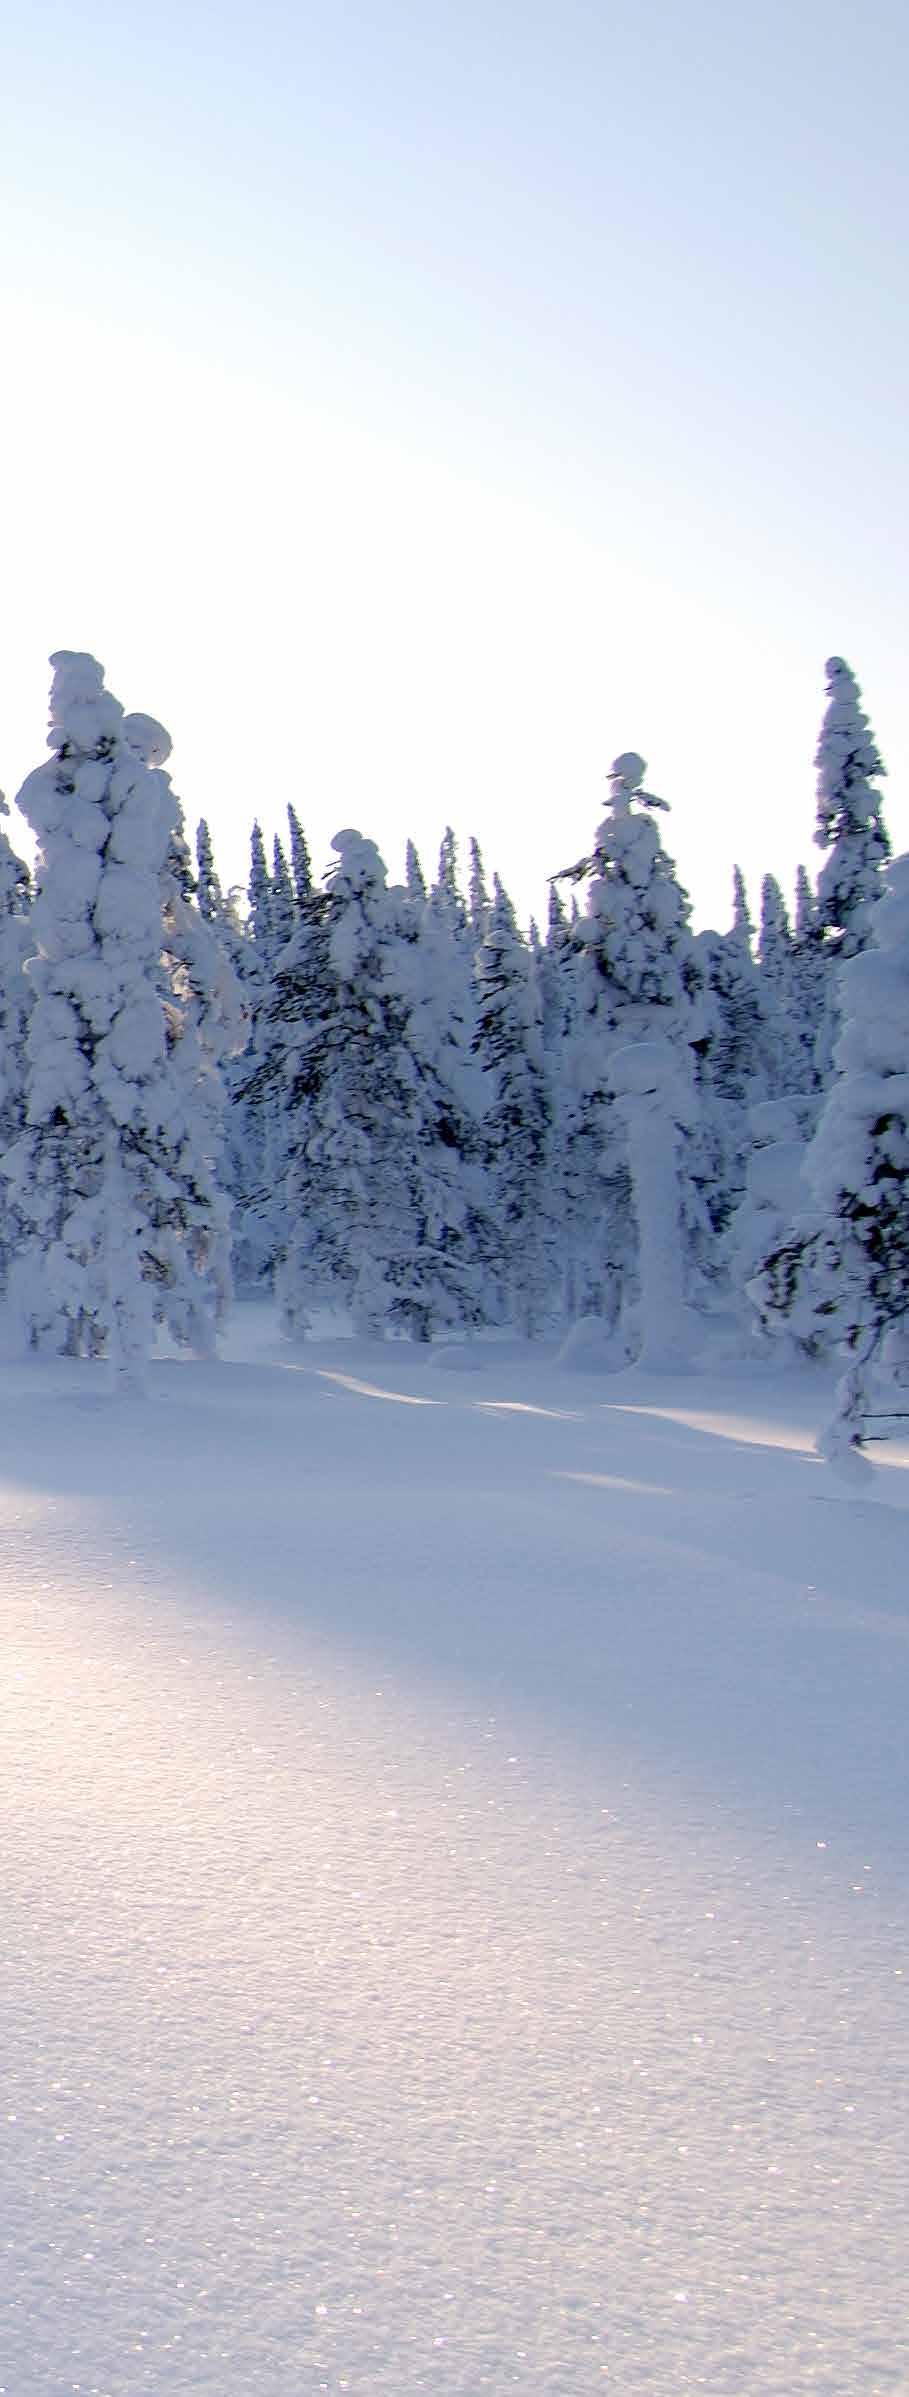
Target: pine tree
16, 943
300, 864
445, 898
843, 1272
775, 939
809, 981
642, 982
301, 1031
805, 908
479, 895
187, 1207
794, 1070
208, 888
241, 1151
742, 926
375, 1212
282, 911
850, 820
93, 1169
739, 1064
259, 895
258, 1157
518, 1120
557, 972
415, 877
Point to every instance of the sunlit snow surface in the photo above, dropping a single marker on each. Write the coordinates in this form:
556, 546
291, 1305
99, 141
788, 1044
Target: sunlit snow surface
454, 1891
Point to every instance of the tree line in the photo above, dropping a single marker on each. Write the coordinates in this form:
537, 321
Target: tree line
393, 1100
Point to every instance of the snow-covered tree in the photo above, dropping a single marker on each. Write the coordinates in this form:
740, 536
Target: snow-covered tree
257, 1152
282, 910
241, 1168
302, 1013
642, 980
844, 1267
808, 981
93, 1169
517, 1122
742, 926
259, 897
188, 1240
300, 863
16, 942
636, 929
850, 824
775, 937
739, 1061
778, 976
375, 1214
478, 894
446, 897
209, 894
557, 971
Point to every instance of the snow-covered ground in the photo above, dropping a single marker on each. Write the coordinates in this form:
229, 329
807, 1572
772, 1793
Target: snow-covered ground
454, 1883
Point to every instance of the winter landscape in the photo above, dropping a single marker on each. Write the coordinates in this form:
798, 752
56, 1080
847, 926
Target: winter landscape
454, 1868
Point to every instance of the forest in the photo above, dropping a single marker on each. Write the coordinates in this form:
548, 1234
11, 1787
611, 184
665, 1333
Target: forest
609, 1132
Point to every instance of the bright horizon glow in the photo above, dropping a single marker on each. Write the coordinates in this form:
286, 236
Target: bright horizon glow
415, 414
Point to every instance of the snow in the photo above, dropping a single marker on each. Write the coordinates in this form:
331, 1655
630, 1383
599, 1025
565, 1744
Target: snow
454, 1881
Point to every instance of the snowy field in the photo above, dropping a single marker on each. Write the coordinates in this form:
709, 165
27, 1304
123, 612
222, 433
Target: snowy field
454, 1883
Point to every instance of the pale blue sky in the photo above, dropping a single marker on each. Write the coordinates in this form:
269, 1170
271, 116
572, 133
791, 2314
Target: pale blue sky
413, 406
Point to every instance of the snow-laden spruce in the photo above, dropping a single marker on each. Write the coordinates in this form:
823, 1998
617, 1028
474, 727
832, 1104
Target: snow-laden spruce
283, 908
781, 970
375, 1208
517, 1122
809, 982
257, 1155
188, 1245
639, 979
97, 1175
850, 822
739, 1060
300, 861
16, 940
845, 1265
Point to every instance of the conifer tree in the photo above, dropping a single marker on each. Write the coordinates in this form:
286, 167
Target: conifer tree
300, 863
843, 1272
740, 1060
517, 1121
208, 888
642, 981
850, 823
796, 974
257, 1153
282, 910
16, 942
241, 1150
94, 1168
415, 877
445, 898
809, 980
259, 896
375, 1212
479, 895
742, 926
557, 973
188, 1211
775, 940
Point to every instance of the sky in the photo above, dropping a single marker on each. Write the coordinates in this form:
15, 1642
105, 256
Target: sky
415, 404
